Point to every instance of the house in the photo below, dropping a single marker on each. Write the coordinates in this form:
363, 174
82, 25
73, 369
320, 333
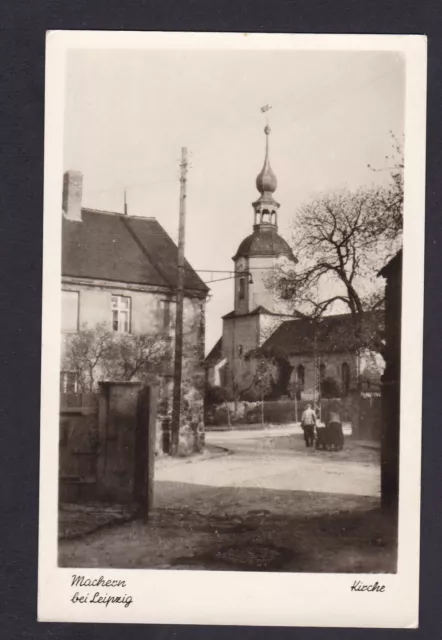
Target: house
119, 272
215, 364
390, 438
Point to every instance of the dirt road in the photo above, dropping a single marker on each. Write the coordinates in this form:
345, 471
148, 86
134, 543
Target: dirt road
269, 504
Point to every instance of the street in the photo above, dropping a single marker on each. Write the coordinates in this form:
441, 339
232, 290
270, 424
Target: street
256, 500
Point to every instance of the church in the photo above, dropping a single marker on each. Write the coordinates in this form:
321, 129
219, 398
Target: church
259, 322
256, 312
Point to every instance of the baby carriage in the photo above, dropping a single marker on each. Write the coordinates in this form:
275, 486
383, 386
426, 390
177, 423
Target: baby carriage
330, 437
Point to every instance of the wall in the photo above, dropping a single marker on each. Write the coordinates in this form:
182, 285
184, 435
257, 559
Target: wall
215, 373
256, 292
147, 306
260, 294
242, 331
191, 437
390, 447
241, 305
333, 363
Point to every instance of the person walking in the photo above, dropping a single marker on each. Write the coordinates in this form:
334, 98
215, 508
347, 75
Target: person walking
308, 424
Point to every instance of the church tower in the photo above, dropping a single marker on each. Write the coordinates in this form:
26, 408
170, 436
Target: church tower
259, 252
255, 314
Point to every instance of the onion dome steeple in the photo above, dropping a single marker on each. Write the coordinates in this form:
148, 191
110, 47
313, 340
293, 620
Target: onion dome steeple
266, 181
266, 206
265, 241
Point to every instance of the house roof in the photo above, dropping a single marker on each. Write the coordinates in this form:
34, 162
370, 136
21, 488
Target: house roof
395, 262
116, 247
216, 353
333, 334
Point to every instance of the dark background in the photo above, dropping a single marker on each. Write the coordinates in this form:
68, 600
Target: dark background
22, 52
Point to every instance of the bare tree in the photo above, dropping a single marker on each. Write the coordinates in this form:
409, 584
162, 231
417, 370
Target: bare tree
341, 239
391, 197
85, 352
96, 354
139, 356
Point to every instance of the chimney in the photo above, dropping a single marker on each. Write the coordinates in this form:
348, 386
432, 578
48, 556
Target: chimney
72, 192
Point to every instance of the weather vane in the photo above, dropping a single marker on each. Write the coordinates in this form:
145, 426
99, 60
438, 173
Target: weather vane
265, 109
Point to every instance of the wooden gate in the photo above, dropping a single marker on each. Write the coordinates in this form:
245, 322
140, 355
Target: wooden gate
107, 445
78, 447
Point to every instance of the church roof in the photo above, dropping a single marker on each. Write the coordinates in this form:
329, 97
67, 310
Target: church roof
121, 248
256, 312
264, 242
333, 334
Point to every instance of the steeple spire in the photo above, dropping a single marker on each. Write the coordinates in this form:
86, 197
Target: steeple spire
266, 181
266, 206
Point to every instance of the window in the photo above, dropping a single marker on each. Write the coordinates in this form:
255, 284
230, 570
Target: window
240, 350
321, 371
242, 288
68, 382
166, 315
69, 311
121, 314
345, 378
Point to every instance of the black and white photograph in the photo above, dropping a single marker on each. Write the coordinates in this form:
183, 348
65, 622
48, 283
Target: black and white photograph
228, 250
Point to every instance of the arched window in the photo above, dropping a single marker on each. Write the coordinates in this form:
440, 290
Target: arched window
265, 215
242, 288
345, 378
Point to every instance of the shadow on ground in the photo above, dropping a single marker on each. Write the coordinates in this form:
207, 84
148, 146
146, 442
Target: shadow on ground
245, 529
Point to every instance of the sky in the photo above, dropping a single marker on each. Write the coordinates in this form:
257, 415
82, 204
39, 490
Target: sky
129, 113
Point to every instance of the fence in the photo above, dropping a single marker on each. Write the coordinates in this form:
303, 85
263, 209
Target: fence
364, 413
107, 445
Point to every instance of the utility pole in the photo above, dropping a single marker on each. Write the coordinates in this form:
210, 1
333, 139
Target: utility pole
178, 361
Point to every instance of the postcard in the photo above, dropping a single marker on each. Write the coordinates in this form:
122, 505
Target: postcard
232, 329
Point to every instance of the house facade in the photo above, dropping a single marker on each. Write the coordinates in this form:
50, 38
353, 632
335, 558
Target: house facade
119, 273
